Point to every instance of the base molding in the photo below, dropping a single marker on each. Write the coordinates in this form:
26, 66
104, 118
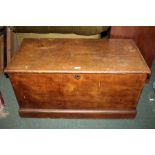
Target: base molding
72, 113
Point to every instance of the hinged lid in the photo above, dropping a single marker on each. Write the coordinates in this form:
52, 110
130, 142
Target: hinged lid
78, 56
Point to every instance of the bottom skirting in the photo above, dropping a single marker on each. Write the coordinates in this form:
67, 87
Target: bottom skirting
65, 113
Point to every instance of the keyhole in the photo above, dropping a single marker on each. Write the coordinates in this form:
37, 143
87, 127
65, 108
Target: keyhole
77, 76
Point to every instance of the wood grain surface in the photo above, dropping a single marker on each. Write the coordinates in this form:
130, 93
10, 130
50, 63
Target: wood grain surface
78, 55
1, 53
78, 78
144, 37
91, 91
72, 114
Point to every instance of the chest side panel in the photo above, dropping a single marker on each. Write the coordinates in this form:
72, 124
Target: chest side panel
89, 91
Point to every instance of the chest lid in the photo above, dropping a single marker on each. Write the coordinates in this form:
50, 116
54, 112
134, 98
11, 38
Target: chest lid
78, 56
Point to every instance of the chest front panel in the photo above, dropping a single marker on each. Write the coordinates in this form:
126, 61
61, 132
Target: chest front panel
88, 91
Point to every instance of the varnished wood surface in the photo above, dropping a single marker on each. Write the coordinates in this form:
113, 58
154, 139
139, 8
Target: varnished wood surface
91, 91
61, 113
78, 56
9, 45
144, 37
1, 53
78, 78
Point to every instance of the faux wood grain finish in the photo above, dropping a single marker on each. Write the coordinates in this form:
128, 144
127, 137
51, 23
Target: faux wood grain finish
106, 83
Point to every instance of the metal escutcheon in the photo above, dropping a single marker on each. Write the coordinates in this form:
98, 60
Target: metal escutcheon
77, 76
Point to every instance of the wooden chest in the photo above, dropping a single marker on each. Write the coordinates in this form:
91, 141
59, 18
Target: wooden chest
78, 78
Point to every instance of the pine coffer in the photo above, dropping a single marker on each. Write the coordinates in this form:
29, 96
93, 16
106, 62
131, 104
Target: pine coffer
78, 78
